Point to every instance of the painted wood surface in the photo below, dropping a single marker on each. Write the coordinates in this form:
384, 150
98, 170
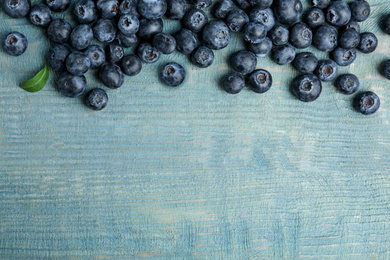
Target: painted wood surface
192, 172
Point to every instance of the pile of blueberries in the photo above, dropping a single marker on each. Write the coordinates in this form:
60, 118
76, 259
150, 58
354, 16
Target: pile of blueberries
266, 26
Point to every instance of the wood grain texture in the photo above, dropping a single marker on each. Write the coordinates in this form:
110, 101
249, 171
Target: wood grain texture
192, 172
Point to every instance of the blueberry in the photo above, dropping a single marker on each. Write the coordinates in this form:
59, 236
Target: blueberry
147, 53
114, 53
152, 9
85, 11
338, 13
263, 4
243, 4
321, 3
164, 42
16, 8
222, 9
176, 9
236, 20
325, 38
40, 15
262, 48
58, 56
315, 17
111, 76
300, 36
202, 57
149, 28
126, 6
352, 25
360, 10
104, 30
367, 103
70, 85
347, 84
386, 24
233, 83
173, 74
186, 41
15, 43
77, 63
344, 57
58, 5
194, 20
306, 87
96, 99
201, 3
349, 39
288, 12
243, 62
260, 81
386, 69
131, 65
96, 55
128, 24
127, 41
305, 62
108, 8
368, 42
326, 70
216, 35
59, 31
254, 32
81, 37
279, 35
283, 54
263, 16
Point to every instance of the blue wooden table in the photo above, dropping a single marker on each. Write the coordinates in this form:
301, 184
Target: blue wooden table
193, 172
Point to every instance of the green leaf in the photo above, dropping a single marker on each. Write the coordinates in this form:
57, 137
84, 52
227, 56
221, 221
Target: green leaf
38, 82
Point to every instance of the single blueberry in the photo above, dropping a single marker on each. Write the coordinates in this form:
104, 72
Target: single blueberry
126, 6
96, 55
347, 84
131, 65
186, 41
127, 41
194, 20
306, 87
77, 63
108, 8
58, 5
176, 9
40, 15
81, 37
70, 85
254, 32
288, 12
262, 48
338, 13
173, 74
85, 11
321, 3
344, 57
300, 36
96, 99
325, 38
326, 70
360, 10
152, 9
202, 57
315, 17
147, 53
279, 35
305, 62
243, 62
164, 42
368, 42
260, 81
222, 8
349, 39
104, 30
15, 43
236, 20
58, 56
149, 28
16, 8
283, 54
233, 83
59, 31
111, 76
263, 16
216, 35
128, 24
114, 52
386, 69
367, 102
